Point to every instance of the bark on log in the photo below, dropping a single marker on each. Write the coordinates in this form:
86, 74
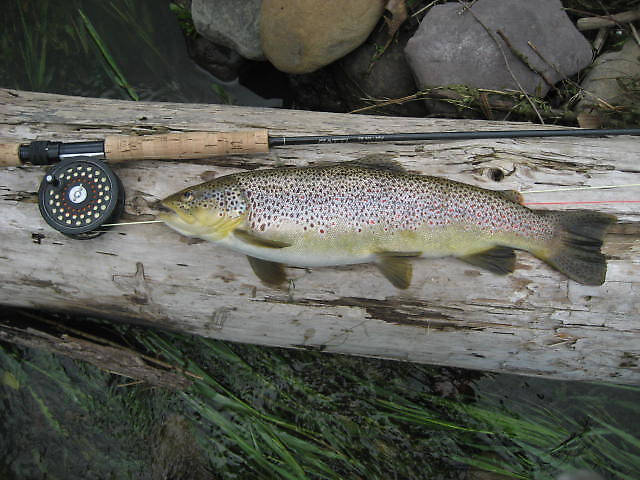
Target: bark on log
532, 322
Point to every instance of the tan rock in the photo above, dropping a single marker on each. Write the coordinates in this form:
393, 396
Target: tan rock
300, 36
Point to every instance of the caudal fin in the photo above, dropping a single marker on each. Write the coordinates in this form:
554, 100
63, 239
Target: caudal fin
575, 250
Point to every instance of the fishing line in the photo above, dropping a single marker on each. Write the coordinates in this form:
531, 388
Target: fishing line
581, 203
569, 189
132, 223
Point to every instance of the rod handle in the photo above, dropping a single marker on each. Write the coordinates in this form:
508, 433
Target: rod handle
9, 155
118, 148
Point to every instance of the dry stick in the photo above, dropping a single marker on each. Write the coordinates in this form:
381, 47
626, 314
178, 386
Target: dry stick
506, 60
524, 59
634, 32
110, 343
424, 95
592, 23
601, 37
571, 82
425, 8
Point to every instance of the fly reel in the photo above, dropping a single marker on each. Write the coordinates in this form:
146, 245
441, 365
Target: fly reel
79, 195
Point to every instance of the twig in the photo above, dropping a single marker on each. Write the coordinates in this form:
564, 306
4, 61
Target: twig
592, 23
568, 80
425, 8
634, 32
104, 341
506, 61
601, 37
524, 59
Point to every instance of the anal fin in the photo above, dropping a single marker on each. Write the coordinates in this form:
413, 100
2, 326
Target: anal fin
500, 260
396, 267
271, 273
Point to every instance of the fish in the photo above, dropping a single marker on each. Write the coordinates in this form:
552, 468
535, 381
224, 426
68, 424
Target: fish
374, 211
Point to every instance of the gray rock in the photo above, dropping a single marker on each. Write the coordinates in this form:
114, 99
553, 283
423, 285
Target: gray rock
360, 75
452, 47
612, 77
232, 23
224, 63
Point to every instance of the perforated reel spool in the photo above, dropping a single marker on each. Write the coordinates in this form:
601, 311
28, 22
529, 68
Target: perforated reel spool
79, 195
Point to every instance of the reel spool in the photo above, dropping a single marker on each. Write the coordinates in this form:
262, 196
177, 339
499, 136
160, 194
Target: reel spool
79, 195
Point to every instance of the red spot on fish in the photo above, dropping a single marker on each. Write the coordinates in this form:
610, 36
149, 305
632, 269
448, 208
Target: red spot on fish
321, 231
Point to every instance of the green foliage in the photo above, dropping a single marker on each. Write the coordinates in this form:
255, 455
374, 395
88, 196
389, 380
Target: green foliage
114, 71
184, 18
274, 413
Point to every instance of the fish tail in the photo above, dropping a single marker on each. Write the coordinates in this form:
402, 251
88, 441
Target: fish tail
575, 247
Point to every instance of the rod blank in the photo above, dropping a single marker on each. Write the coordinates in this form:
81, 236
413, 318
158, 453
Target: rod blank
487, 134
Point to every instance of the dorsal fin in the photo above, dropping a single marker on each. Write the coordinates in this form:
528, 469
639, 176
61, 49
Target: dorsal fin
381, 161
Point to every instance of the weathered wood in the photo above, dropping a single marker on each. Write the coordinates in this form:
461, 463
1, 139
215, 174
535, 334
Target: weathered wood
533, 322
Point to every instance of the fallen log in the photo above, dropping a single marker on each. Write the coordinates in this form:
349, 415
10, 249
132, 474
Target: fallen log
533, 322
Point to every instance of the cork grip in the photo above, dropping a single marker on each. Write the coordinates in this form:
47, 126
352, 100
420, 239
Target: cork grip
9, 155
168, 146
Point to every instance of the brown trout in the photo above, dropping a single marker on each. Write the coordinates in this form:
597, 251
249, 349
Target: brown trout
373, 211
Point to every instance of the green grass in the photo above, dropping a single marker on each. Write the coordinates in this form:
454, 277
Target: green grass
258, 412
112, 66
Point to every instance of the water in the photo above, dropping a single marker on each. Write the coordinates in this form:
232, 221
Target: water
112, 49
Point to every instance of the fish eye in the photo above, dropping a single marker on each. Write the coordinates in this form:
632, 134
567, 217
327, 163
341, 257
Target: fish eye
187, 196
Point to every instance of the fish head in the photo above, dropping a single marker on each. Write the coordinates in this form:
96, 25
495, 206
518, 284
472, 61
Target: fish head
201, 210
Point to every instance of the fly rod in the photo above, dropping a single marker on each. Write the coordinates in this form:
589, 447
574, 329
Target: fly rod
119, 148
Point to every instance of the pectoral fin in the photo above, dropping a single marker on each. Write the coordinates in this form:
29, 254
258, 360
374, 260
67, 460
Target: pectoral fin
252, 239
396, 267
271, 273
215, 228
500, 260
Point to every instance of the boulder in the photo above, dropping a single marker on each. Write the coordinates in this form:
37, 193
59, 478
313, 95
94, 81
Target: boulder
224, 63
301, 36
368, 73
611, 79
453, 46
231, 23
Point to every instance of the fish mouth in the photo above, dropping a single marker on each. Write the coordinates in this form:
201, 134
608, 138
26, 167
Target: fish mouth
164, 212
172, 215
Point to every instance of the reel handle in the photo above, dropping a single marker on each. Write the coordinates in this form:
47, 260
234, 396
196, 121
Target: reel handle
119, 148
